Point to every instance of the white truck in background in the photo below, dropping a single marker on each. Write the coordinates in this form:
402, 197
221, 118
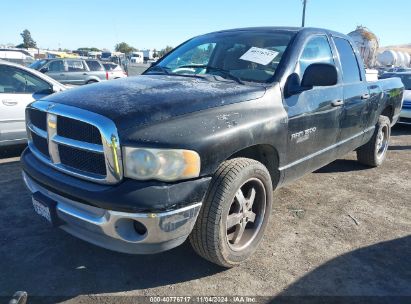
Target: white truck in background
136, 58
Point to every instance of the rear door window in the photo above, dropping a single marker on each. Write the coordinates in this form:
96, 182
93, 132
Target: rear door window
75, 66
56, 66
349, 64
108, 66
317, 50
94, 65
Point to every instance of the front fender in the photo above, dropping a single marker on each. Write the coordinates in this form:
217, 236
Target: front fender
220, 132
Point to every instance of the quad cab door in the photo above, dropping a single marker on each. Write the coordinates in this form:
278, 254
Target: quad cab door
356, 97
314, 114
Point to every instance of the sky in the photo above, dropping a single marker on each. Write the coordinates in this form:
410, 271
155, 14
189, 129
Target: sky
154, 24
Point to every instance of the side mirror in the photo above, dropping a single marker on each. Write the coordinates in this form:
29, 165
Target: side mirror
319, 75
44, 70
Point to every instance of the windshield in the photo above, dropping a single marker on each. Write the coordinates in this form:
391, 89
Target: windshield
37, 64
240, 56
111, 67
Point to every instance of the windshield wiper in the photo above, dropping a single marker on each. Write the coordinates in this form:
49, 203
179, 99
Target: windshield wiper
208, 67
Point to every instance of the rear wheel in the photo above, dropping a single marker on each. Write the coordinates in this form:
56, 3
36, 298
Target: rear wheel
234, 214
373, 153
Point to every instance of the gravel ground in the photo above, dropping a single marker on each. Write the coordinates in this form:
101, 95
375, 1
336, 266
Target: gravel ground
344, 230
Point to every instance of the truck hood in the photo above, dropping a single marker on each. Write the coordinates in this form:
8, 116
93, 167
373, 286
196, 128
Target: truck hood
144, 99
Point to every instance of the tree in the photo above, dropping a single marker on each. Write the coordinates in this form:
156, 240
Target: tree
124, 48
165, 51
28, 41
88, 49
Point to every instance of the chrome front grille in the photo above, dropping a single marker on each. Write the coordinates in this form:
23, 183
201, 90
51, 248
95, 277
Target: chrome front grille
78, 142
78, 130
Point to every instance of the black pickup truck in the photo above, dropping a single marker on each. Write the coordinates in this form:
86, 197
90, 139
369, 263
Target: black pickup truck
195, 146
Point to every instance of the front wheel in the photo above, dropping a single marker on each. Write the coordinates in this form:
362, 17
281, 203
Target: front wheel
235, 212
374, 151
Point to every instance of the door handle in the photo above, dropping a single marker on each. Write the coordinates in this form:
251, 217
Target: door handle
337, 103
365, 96
9, 102
85, 74
62, 74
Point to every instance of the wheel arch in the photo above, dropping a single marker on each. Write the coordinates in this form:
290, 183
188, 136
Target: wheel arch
389, 112
265, 154
92, 79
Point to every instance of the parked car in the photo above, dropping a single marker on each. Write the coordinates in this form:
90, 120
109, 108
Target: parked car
398, 70
18, 87
114, 71
195, 146
39, 63
405, 115
16, 55
72, 71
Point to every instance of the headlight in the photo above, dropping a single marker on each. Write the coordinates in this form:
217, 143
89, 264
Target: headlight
160, 164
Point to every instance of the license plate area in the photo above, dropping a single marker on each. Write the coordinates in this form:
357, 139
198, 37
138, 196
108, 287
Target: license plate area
46, 208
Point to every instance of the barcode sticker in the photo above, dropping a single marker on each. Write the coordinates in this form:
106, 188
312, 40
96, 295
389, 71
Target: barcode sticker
259, 55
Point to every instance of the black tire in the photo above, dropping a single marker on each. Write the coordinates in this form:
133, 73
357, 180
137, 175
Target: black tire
210, 237
374, 151
91, 81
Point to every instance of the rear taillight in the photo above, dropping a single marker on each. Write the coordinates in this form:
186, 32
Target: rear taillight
106, 75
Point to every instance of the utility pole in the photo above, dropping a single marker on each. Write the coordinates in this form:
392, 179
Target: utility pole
304, 5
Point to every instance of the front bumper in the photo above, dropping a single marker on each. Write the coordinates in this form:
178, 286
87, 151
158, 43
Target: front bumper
129, 196
118, 231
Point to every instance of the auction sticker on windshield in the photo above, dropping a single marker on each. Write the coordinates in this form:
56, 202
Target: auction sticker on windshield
259, 55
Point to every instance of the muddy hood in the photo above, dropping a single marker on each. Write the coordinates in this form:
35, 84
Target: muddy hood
145, 99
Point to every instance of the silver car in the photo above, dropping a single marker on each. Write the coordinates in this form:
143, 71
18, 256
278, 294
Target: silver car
114, 71
19, 86
73, 71
405, 114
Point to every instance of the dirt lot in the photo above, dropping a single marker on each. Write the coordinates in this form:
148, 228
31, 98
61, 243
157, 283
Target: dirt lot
344, 230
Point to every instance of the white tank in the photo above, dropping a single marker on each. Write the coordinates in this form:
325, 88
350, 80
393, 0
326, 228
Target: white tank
407, 60
367, 44
401, 59
388, 58
404, 59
